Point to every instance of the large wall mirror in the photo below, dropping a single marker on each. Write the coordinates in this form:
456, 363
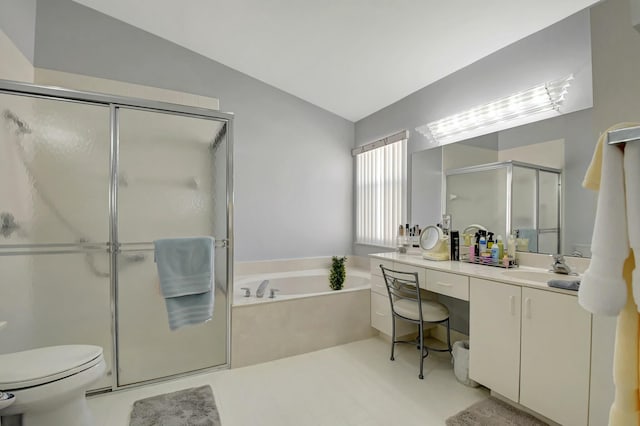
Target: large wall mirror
468, 180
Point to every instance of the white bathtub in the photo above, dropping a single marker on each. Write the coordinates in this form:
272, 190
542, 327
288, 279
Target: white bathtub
295, 284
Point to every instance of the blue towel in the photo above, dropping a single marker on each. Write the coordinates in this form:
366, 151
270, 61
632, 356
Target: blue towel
185, 268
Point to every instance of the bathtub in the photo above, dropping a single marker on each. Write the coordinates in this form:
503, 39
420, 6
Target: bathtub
305, 315
295, 284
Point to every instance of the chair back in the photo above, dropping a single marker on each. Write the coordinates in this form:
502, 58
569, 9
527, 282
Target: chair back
402, 285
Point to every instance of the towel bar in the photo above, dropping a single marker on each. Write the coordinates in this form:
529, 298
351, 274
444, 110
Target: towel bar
629, 134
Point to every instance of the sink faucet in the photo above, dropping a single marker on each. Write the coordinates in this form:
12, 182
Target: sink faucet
261, 288
558, 266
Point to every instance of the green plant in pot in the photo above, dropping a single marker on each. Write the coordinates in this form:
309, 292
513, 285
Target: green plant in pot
338, 272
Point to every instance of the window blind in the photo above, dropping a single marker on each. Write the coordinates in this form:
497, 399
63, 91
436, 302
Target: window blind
381, 193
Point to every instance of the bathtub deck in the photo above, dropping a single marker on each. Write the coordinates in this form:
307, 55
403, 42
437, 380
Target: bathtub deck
352, 384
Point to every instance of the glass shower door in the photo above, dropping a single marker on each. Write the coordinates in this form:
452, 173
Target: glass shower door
172, 182
54, 225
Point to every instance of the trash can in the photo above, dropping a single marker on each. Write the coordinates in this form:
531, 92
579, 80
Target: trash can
460, 361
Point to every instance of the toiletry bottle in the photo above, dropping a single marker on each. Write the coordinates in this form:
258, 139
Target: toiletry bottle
483, 244
500, 245
511, 246
477, 245
495, 254
455, 245
490, 241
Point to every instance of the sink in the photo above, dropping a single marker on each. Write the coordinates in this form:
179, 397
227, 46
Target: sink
6, 399
538, 276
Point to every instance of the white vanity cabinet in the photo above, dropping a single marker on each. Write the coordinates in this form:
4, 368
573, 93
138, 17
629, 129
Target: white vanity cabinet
533, 347
556, 355
494, 336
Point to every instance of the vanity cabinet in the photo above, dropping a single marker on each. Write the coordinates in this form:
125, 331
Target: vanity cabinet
533, 347
556, 356
494, 336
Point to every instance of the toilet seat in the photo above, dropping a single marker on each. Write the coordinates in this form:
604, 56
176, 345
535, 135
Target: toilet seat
40, 366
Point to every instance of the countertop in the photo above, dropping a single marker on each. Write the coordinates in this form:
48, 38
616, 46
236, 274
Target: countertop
481, 271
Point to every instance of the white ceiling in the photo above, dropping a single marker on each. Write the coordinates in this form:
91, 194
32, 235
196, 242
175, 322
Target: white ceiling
351, 57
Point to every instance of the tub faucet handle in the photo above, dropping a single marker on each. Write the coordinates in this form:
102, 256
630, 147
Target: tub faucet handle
247, 291
272, 294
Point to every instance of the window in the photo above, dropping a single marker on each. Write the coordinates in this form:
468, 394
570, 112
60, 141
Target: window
381, 189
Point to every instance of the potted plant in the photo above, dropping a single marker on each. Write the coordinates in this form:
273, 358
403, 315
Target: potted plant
338, 272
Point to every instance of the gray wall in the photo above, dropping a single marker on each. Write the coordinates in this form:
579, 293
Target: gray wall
18, 21
558, 50
293, 167
554, 52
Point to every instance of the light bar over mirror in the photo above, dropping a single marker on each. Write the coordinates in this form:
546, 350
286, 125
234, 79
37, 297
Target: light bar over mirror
545, 97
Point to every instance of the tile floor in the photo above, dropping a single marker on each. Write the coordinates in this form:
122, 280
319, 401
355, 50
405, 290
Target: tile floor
352, 384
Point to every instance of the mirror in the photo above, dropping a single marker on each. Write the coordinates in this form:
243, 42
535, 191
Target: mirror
564, 142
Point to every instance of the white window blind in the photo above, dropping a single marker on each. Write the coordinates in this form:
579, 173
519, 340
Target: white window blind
381, 193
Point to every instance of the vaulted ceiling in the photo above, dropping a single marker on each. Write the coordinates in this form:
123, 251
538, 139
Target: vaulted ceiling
351, 57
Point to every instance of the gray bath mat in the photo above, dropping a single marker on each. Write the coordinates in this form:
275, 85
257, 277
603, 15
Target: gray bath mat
188, 407
493, 412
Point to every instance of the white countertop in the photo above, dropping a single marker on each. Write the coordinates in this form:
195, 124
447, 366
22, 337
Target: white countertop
482, 271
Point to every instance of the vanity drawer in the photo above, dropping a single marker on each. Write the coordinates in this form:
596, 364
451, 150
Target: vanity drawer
449, 284
375, 266
378, 285
410, 268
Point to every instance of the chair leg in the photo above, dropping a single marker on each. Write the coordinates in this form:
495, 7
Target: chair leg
393, 336
421, 334
449, 335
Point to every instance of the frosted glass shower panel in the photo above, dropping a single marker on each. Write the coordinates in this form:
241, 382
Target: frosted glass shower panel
57, 299
524, 198
478, 198
54, 170
549, 200
172, 183
166, 175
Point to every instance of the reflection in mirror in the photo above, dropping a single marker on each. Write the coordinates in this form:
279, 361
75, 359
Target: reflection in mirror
508, 198
564, 143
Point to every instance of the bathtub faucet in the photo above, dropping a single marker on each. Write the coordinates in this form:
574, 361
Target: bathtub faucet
262, 288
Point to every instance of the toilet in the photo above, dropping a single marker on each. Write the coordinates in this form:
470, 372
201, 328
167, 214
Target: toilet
49, 383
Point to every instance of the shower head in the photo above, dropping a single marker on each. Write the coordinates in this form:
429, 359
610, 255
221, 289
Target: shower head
23, 127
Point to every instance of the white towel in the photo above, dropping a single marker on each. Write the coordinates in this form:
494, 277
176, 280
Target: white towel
603, 290
632, 182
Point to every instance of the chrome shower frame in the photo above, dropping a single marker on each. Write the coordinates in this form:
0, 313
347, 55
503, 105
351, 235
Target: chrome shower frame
114, 103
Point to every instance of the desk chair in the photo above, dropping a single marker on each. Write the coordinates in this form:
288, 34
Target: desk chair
406, 302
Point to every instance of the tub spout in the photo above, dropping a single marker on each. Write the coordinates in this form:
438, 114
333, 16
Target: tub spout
262, 288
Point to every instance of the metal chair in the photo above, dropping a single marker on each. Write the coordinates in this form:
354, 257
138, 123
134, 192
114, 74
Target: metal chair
406, 304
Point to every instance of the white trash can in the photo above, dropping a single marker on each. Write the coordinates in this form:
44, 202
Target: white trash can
460, 361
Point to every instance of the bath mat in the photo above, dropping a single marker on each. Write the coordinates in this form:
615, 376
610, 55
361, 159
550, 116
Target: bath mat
493, 412
187, 407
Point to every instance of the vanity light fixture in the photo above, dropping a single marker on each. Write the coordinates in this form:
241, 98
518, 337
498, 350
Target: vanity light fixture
541, 98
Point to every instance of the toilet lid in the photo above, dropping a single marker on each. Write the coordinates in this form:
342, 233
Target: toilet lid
43, 365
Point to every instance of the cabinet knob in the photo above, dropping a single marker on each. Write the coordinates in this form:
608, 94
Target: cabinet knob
512, 305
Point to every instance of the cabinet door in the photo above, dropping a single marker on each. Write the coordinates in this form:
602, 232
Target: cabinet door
556, 342
494, 355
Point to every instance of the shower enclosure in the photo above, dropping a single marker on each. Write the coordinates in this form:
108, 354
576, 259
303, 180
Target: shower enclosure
87, 183
507, 197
